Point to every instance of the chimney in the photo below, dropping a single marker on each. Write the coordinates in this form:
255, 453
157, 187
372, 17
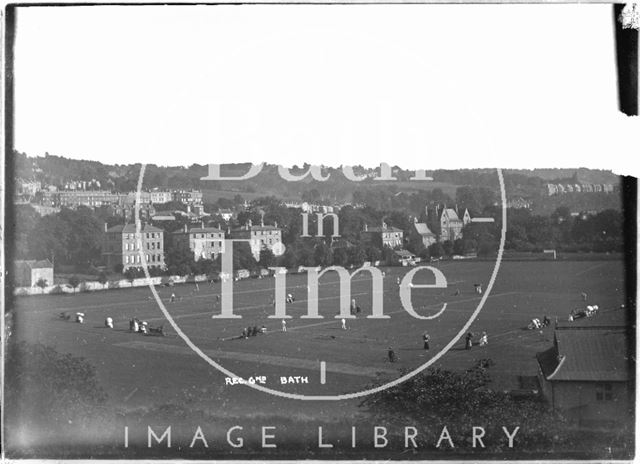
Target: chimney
106, 226
366, 227
262, 219
185, 229
202, 224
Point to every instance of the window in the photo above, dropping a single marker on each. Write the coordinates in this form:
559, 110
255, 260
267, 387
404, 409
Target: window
147, 258
138, 259
126, 259
604, 392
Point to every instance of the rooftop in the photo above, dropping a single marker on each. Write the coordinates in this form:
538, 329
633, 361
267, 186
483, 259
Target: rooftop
131, 228
422, 229
256, 228
595, 354
35, 264
382, 229
200, 230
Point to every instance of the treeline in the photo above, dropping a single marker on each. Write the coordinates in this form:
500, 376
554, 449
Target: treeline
601, 232
74, 237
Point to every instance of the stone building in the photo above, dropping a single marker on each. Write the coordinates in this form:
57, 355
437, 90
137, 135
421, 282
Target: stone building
121, 247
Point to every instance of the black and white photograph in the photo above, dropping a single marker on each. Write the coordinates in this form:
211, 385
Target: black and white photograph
375, 232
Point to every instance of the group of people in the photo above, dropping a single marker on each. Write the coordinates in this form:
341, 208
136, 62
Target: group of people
536, 323
252, 331
589, 311
138, 326
468, 340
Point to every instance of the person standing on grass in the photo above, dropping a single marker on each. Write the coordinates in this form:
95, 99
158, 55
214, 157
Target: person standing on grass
484, 339
284, 325
173, 298
197, 287
344, 324
426, 338
392, 355
468, 341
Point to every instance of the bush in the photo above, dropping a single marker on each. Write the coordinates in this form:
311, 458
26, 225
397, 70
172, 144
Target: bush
57, 290
46, 390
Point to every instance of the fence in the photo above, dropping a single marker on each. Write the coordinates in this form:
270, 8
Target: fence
92, 286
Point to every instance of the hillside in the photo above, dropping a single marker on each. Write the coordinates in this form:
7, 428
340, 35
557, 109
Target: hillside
528, 184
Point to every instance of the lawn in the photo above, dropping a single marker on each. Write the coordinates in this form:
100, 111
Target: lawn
149, 370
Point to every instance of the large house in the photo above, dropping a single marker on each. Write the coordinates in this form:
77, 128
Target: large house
385, 236
160, 196
28, 273
451, 225
261, 237
203, 242
121, 247
187, 196
586, 374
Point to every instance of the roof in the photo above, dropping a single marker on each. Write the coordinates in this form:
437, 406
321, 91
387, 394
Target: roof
587, 355
405, 254
34, 264
256, 228
451, 213
131, 228
422, 229
200, 230
382, 229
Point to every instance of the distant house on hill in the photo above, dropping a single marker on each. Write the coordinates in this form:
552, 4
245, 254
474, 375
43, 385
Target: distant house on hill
121, 247
164, 216
29, 272
421, 230
227, 214
405, 258
385, 236
203, 242
586, 374
260, 237
451, 225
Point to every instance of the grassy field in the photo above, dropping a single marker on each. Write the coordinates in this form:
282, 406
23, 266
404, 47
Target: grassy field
139, 370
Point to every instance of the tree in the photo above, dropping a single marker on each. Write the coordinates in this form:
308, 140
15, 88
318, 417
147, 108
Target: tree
436, 250
74, 281
456, 399
42, 283
130, 274
267, 258
447, 247
102, 278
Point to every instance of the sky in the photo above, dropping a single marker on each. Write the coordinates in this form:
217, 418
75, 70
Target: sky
420, 86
